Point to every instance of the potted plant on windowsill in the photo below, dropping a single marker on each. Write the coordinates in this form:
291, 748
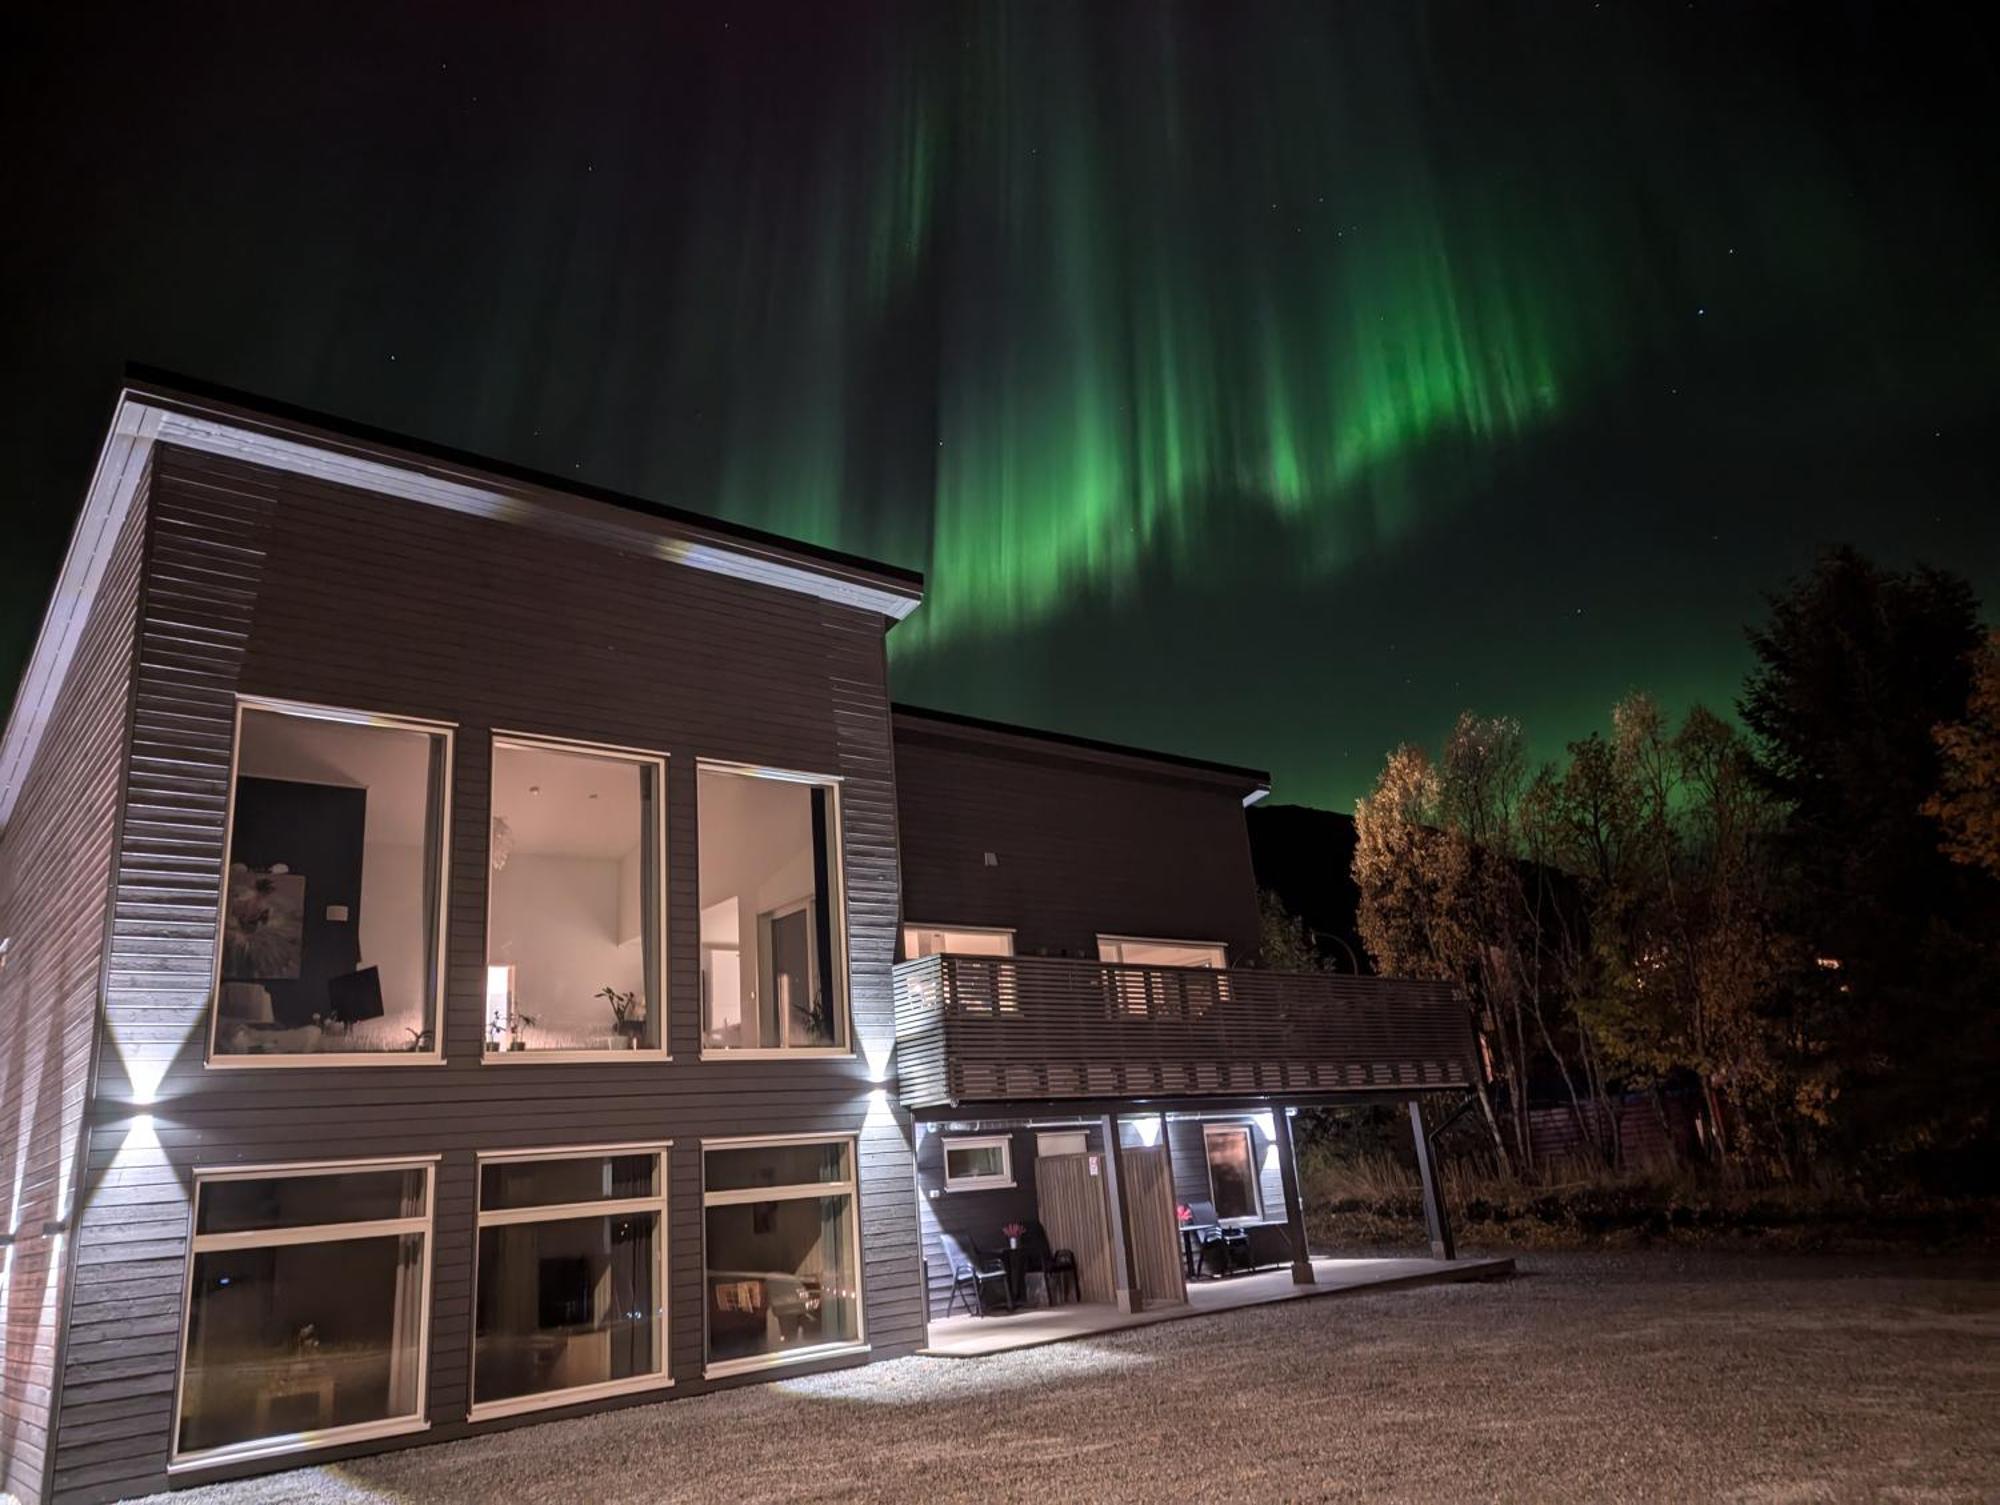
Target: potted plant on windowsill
628, 1015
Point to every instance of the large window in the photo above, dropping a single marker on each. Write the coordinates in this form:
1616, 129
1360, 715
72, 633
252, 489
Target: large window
573, 928
773, 974
572, 1290
1232, 1170
307, 1305
331, 930
782, 1244
980, 1164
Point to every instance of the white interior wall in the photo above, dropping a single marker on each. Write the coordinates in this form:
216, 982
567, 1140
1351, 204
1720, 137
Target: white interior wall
756, 856
557, 922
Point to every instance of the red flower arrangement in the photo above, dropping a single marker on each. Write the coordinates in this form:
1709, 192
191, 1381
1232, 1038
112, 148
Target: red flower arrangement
1184, 1212
1014, 1230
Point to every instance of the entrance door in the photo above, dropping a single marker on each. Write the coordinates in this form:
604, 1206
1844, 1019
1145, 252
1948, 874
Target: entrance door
1152, 1226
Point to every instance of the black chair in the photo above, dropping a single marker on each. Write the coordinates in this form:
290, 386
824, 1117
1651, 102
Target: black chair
1225, 1248
1057, 1267
971, 1274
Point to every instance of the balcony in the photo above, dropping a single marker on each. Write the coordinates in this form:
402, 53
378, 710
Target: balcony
1018, 1029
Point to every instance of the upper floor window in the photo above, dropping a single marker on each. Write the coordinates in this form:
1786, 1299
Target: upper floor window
573, 919
956, 940
773, 974
1139, 951
331, 935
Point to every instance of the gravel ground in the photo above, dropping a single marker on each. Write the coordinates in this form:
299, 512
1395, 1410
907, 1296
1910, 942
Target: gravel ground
1657, 1375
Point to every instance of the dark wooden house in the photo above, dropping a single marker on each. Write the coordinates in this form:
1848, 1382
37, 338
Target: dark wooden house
476, 948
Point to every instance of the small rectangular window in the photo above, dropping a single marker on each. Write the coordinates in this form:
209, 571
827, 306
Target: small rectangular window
304, 1330
571, 1280
574, 916
981, 1164
331, 937
1232, 1170
1133, 951
782, 1243
773, 973
955, 940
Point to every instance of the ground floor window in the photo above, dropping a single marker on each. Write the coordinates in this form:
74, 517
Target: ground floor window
1232, 1170
980, 1164
571, 1276
782, 1244
308, 1291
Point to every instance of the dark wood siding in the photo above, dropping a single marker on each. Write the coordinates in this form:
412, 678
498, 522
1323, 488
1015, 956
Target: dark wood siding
55, 888
1081, 847
267, 583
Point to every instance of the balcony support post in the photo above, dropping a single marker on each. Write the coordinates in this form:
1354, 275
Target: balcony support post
1435, 1217
1295, 1208
1124, 1275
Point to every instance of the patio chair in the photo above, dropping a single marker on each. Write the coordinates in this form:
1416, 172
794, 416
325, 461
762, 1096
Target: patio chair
1057, 1267
971, 1273
1225, 1248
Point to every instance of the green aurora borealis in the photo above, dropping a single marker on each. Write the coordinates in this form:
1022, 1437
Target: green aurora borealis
1264, 381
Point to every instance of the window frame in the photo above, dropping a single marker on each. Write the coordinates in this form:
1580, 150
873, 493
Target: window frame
289, 1443
836, 881
1248, 1131
657, 918
1162, 940
440, 969
797, 1190
558, 1212
910, 927
1003, 1181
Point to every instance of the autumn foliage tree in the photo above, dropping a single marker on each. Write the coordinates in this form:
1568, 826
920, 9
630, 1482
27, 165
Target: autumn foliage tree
1798, 924
1967, 804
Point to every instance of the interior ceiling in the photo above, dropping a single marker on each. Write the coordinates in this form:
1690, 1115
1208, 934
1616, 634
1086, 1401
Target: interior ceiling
567, 805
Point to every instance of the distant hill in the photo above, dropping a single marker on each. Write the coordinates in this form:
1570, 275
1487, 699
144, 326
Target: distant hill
1306, 857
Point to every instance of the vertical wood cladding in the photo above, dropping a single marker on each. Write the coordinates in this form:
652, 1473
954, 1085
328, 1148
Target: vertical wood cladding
55, 888
1081, 847
266, 583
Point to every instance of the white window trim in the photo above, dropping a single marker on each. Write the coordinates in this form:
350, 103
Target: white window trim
448, 730
836, 879
556, 1212
850, 1185
1005, 1144
1162, 940
1006, 930
203, 1243
656, 1006
1249, 1133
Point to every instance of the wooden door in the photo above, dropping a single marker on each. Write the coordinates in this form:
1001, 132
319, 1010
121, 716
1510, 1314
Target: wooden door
1152, 1226
1070, 1189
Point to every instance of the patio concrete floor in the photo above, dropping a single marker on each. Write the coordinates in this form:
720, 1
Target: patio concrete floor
964, 1337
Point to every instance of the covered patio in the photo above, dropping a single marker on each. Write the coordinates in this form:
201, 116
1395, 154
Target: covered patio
971, 1337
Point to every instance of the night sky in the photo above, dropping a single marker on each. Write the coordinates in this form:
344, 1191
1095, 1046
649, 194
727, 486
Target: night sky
1260, 381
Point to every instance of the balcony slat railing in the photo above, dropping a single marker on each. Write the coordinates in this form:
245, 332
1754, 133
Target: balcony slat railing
996, 1029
